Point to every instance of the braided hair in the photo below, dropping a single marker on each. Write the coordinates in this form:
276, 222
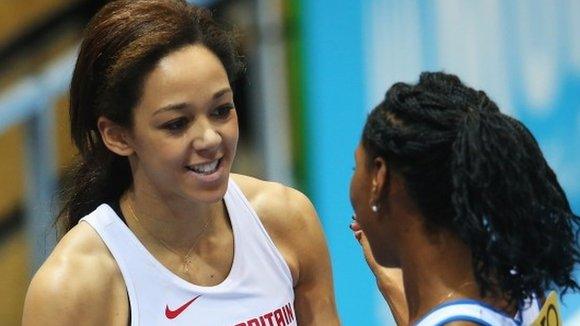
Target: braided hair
479, 173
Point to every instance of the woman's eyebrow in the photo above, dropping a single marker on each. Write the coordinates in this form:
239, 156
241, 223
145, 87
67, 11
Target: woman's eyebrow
222, 92
171, 107
182, 106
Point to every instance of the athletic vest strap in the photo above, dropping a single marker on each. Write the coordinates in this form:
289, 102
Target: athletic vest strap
475, 312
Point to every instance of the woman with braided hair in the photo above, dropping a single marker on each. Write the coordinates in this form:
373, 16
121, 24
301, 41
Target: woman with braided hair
460, 217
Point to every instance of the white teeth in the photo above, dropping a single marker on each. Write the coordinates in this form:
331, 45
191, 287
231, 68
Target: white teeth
206, 168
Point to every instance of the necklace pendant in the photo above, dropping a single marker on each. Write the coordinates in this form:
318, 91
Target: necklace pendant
186, 263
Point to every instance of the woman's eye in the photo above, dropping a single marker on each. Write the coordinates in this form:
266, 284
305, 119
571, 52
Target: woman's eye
175, 125
223, 111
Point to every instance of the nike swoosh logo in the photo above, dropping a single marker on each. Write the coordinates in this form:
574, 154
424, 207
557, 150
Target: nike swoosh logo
170, 314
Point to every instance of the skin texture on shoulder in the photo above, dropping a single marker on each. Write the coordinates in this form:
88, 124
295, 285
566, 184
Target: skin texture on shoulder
292, 223
79, 284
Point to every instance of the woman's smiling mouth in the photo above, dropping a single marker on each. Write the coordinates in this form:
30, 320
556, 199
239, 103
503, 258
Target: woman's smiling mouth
205, 168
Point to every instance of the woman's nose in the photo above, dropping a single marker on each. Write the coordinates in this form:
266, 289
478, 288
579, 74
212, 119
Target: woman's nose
206, 137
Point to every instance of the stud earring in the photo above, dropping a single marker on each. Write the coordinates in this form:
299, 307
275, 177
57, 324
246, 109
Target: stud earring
374, 208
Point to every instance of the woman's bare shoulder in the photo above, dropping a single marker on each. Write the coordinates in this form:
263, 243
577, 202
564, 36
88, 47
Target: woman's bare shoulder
286, 213
277, 205
79, 281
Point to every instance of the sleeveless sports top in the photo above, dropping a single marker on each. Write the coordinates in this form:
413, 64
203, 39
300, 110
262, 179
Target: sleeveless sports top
258, 290
479, 313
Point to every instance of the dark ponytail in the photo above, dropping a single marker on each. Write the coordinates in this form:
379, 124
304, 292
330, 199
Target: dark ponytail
482, 175
91, 182
510, 208
122, 44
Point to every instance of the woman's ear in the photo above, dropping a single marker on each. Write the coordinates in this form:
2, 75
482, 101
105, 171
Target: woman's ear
115, 137
379, 179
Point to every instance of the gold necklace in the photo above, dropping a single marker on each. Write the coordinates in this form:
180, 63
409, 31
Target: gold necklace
450, 294
187, 258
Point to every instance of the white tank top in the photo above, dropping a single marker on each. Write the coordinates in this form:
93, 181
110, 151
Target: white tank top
479, 313
257, 292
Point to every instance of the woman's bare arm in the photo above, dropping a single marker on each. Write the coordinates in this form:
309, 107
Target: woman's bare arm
79, 284
314, 303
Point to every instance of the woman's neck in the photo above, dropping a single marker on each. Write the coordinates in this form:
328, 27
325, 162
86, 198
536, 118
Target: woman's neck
174, 222
437, 270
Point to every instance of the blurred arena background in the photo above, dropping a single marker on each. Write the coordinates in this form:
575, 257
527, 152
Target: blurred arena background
315, 67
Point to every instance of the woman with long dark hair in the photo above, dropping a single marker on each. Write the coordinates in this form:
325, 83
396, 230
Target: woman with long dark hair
156, 228
465, 221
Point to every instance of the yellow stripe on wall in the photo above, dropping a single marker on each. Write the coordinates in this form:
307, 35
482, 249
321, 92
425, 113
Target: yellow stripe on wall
18, 16
11, 169
15, 278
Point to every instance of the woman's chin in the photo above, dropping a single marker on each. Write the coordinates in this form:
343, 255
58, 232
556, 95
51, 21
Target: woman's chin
207, 196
